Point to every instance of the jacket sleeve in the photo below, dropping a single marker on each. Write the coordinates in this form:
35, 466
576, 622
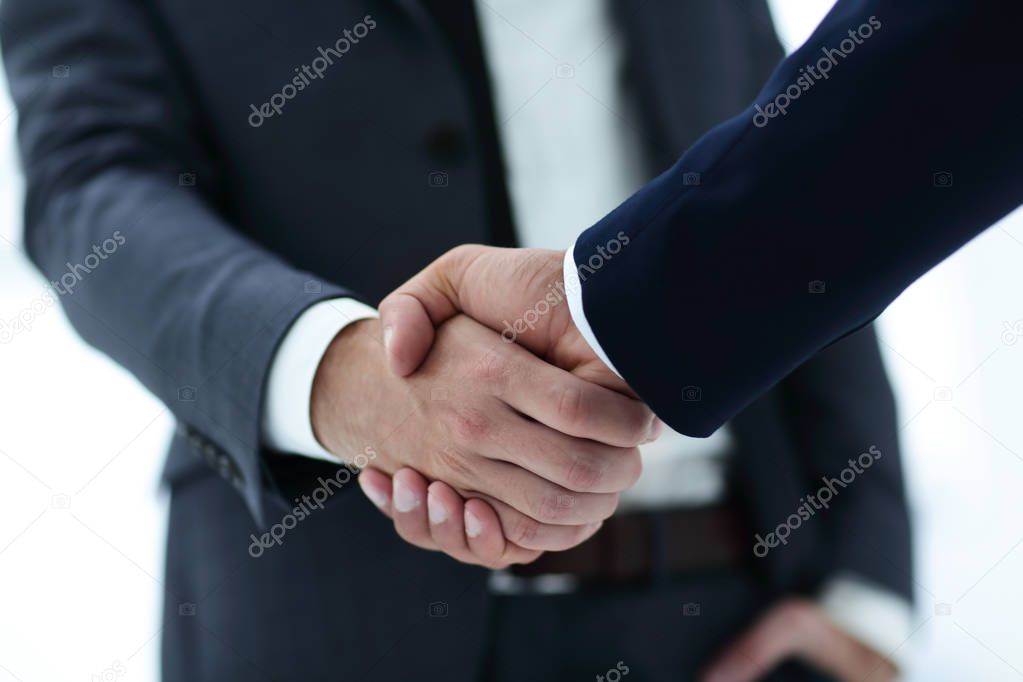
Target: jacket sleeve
120, 216
814, 208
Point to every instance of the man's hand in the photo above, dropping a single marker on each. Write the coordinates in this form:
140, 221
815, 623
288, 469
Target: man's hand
463, 529
545, 449
798, 628
517, 292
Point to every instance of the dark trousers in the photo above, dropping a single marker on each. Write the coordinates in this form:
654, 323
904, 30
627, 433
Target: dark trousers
666, 631
342, 598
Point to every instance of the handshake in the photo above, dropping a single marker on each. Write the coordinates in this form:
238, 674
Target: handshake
493, 447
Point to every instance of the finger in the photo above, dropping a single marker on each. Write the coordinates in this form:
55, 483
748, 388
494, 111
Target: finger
377, 487
408, 332
483, 529
485, 537
759, 650
522, 531
532, 495
579, 465
475, 461
445, 511
410, 313
569, 404
447, 522
408, 502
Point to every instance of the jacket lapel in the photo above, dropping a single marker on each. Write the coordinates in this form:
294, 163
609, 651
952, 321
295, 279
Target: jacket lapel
693, 64
658, 54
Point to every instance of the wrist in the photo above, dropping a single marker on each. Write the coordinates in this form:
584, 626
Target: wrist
348, 376
576, 314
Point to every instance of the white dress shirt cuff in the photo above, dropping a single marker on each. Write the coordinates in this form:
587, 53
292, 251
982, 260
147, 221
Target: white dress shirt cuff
876, 617
574, 294
287, 425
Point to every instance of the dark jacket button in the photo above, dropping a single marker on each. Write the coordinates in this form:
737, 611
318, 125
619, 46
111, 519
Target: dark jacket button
445, 143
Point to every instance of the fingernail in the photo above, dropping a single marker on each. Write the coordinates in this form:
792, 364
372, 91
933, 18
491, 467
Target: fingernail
437, 512
388, 333
404, 499
375, 496
473, 526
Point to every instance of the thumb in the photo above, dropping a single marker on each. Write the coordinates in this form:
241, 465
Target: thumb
408, 332
409, 314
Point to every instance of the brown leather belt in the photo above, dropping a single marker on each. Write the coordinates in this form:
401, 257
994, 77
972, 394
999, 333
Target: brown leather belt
646, 544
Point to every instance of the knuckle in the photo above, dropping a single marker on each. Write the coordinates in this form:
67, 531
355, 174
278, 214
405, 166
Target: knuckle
585, 473
492, 371
524, 532
454, 466
556, 507
571, 405
459, 253
469, 426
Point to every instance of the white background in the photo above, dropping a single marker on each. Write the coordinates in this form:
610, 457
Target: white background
82, 523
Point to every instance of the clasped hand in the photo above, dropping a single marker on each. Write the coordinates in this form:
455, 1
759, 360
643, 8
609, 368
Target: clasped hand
498, 450
494, 452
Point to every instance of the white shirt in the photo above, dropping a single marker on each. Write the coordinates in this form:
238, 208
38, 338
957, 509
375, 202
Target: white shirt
571, 143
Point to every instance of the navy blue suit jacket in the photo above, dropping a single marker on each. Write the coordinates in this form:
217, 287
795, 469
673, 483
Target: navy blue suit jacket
801, 218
